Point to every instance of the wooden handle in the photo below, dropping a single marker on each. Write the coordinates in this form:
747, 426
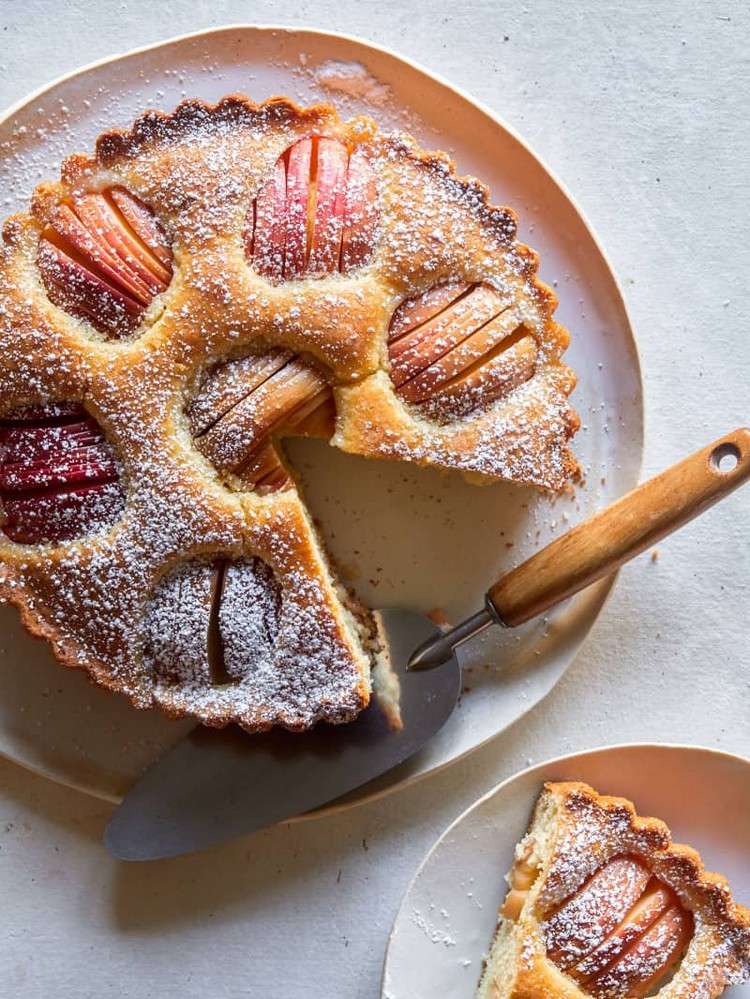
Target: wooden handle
603, 543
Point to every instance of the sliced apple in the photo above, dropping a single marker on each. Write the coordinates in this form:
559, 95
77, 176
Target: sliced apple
264, 471
584, 921
316, 417
228, 383
416, 311
103, 256
648, 960
360, 215
299, 206
264, 410
213, 623
58, 475
328, 221
61, 515
143, 223
91, 464
486, 381
248, 616
290, 393
29, 443
270, 225
456, 347
80, 231
655, 901
425, 344
133, 265
79, 290
479, 345
177, 624
315, 215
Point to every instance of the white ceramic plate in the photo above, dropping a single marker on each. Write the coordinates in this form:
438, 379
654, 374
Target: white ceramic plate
447, 919
402, 536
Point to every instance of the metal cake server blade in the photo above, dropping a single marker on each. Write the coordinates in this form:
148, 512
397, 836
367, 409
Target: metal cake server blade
216, 785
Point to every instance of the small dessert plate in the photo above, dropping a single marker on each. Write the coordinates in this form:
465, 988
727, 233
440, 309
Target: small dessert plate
448, 916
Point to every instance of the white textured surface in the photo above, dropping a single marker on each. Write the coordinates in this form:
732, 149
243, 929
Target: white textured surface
640, 110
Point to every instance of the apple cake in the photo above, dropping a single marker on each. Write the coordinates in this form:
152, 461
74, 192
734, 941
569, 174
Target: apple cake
603, 904
208, 282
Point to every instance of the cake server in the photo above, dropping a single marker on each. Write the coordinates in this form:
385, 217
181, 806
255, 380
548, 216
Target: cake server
216, 785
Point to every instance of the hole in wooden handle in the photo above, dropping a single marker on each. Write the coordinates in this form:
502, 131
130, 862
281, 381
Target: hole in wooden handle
725, 458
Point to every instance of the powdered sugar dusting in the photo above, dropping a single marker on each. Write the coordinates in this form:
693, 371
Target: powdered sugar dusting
352, 79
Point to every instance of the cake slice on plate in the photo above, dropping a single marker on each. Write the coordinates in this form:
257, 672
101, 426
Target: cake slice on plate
603, 904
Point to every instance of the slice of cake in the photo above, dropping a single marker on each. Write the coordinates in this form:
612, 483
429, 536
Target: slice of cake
603, 904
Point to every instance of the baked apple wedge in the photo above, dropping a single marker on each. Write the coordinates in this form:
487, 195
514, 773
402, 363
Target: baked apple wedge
457, 346
315, 215
242, 404
104, 257
58, 476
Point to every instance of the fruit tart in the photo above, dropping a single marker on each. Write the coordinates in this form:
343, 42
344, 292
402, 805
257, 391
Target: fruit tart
603, 904
209, 282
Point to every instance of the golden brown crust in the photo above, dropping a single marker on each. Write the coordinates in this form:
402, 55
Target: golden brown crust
199, 169
583, 831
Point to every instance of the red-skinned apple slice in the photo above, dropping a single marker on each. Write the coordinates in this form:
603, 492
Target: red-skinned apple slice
268, 394
315, 214
359, 212
31, 443
143, 223
248, 617
264, 465
298, 198
88, 464
96, 265
78, 426
58, 476
72, 286
152, 261
104, 257
654, 954
132, 265
488, 381
178, 622
234, 438
654, 902
61, 515
269, 234
315, 418
229, 383
94, 253
330, 181
422, 346
600, 905
416, 311
475, 347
